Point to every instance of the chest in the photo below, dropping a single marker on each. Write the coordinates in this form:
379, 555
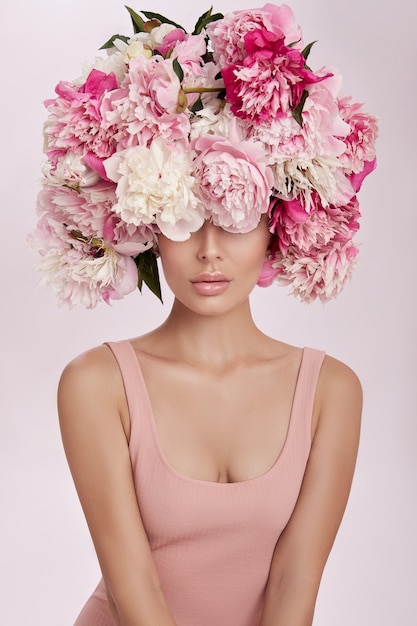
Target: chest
222, 428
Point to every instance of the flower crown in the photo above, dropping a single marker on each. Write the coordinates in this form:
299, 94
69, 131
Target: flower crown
225, 123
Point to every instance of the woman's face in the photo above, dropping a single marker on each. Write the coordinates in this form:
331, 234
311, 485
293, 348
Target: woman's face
214, 270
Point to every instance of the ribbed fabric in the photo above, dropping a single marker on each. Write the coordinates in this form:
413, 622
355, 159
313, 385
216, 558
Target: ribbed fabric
212, 542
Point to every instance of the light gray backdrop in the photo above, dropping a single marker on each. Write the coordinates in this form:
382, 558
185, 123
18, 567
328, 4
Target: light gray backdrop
47, 561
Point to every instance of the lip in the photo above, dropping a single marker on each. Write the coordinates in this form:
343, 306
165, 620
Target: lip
210, 283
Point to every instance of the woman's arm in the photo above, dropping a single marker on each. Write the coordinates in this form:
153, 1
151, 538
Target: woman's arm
94, 425
304, 546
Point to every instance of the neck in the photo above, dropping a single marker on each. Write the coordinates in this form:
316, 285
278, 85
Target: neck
211, 340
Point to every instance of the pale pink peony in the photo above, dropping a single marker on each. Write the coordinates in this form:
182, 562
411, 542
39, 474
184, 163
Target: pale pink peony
227, 35
270, 80
360, 142
81, 266
187, 49
79, 278
233, 181
320, 276
146, 105
89, 212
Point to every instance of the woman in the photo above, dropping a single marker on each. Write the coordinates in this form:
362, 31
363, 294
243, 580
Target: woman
213, 463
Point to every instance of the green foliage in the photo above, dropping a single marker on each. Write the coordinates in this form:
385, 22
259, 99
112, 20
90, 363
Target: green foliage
307, 50
148, 272
137, 21
178, 69
297, 112
110, 42
161, 18
205, 19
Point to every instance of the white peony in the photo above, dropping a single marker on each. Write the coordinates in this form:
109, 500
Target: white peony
155, 184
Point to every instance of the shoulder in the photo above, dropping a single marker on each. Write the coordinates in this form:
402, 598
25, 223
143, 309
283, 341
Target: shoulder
338, 404
96, 366
90, 386
337, 380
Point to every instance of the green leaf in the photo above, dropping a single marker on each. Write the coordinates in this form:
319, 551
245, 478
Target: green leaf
109, 43
148, 272
205, 19
178, 69
197, 106
297, 112
307, 50
137, 21
161, 18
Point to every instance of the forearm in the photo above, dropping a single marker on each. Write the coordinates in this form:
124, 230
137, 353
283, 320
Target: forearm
136, 612
140, 609
289, 603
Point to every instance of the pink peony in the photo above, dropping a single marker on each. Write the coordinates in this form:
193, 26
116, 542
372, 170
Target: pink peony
322, 275
170, 40
75, 121
90, 212
270, 80
81, 267
268, 273
188, 49
233, 182
228, 34
360, 142
319, 229
146, 105
356, 180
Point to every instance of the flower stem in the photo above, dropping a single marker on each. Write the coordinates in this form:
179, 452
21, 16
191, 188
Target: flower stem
201, 89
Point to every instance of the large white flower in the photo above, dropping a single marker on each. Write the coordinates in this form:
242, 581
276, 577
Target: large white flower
79, 278
155, 184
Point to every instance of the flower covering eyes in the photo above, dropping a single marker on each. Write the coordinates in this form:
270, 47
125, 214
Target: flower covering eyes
226, 123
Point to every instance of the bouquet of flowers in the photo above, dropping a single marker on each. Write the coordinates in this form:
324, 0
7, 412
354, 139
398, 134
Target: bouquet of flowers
170, 128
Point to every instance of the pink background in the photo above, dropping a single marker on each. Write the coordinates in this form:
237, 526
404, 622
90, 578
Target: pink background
47, 561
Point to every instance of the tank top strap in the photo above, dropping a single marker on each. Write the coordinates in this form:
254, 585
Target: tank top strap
133, 381
304, 395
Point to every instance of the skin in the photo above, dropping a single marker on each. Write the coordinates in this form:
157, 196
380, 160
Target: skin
198, 346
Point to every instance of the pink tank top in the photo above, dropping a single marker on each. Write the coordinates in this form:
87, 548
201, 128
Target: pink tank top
212, 542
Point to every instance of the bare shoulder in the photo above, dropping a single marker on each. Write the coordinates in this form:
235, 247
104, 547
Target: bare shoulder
94, 369
339, 396
89, 383
338, 379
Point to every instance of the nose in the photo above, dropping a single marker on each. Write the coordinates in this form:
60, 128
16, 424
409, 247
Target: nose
209, 242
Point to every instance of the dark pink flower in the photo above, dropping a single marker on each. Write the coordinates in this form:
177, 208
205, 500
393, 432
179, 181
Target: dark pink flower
319, 229
270, 80
75, 120
228, 34
169, 41
268, 273
356, 180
